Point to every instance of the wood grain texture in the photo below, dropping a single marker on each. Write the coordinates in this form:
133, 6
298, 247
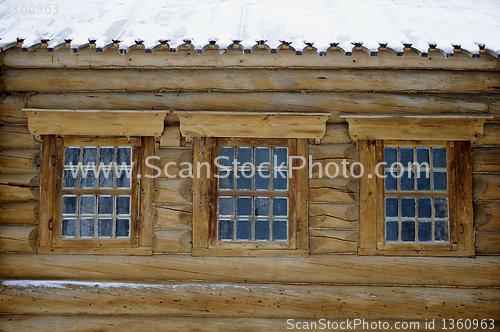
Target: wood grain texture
335, 190
487, 214
486, 186
486, 159
10, 109
17, 137
172, 241
333, 215
336, 134
65, 80
19, 213
26, 161
368, 191
171, 137
17, 238
491, 135
173, 217
23, 187
146, 213
487, 242
176, 160
251, 300
173, 191
327, 241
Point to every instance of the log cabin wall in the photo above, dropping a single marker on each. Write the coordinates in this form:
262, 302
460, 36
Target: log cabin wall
333, 282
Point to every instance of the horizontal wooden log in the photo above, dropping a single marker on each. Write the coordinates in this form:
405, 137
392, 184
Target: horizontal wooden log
19, 213
172, 241
333, 151
491, 136
337, 190
173, 191
486, 159
487, 214
487, 242
342, 216
326, 241
19, 187
336, 134
162, 58
174, 157
332, 168
486, 187
171, 137
26, 161
333, 102
173, 217
18, 238
330, 269
10, 109
247, 300
17, 137
65, 80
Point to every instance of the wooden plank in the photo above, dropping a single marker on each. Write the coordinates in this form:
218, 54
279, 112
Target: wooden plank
26, 161
201, 192
17, 137
171, 137
173, 217
331, 168
415, 128
176, 159
327, 241
95, 122
329, 269
342, 216
486, 186
19, 213
65, 80
333, 102
491, 136
17, 238
486, 159
463, 197
252, 125
487, 214
249, 300
302, 197
172, 241
146, 195
336, 190
336, 134
173, 191
368, 192
47, 189
487, 242
10, 109
19, 187
333, 151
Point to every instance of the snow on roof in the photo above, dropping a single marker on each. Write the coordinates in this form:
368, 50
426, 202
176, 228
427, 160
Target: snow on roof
469, 24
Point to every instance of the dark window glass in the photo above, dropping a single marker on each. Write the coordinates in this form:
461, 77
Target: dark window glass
391, 207
104, 227
390, 156
391, 231
425, 231
69, 227
87, 227
262, 206
243, 230
407, 207
280, 230
262, 230
226, 230
408, 230
122, 227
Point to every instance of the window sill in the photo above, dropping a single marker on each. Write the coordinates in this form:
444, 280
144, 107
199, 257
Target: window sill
203, 252
141, 251
416, 252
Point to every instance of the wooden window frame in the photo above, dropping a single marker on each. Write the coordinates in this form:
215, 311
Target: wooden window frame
141, 235
205, 189
372, 195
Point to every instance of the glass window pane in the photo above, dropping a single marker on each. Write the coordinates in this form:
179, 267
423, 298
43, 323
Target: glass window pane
70, 179
423, 156
105, 205
243, 230
89, 156
106, 179
262, 156
226, 180
440, 181
441, 231
262, 230
244, 206
68, 227
407, 207
424, 181
104, 227
123, 179
408, 230
262, 206
408, 181
226, 206
71, 155
280, 207
106, 155
391, 183
280, 180
439, 158
226, 230
124, 155
244, 155
391, 207
262, 180
244, 180
280, 157
70, 205
122, 227
86, 227
280, 230
123, 205
391, 231
440, 207
87, 179
226, 155
424, 207
390, 156
425, 231
406, 156
87, 204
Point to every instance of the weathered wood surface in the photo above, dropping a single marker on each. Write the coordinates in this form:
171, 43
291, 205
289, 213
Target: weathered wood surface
173, 217
17, 137
326, 241
65, 80
334, 102
26, 161
330, 269
250, 300
172, 241
23, 187
336, 134
173, 191
486, 159
333, 215
335, 190
487, 241
171, 137
333, 151
491, 135
174, 157
19, 213
486, 186
18, 238
487, 214
162, 58
10, 109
